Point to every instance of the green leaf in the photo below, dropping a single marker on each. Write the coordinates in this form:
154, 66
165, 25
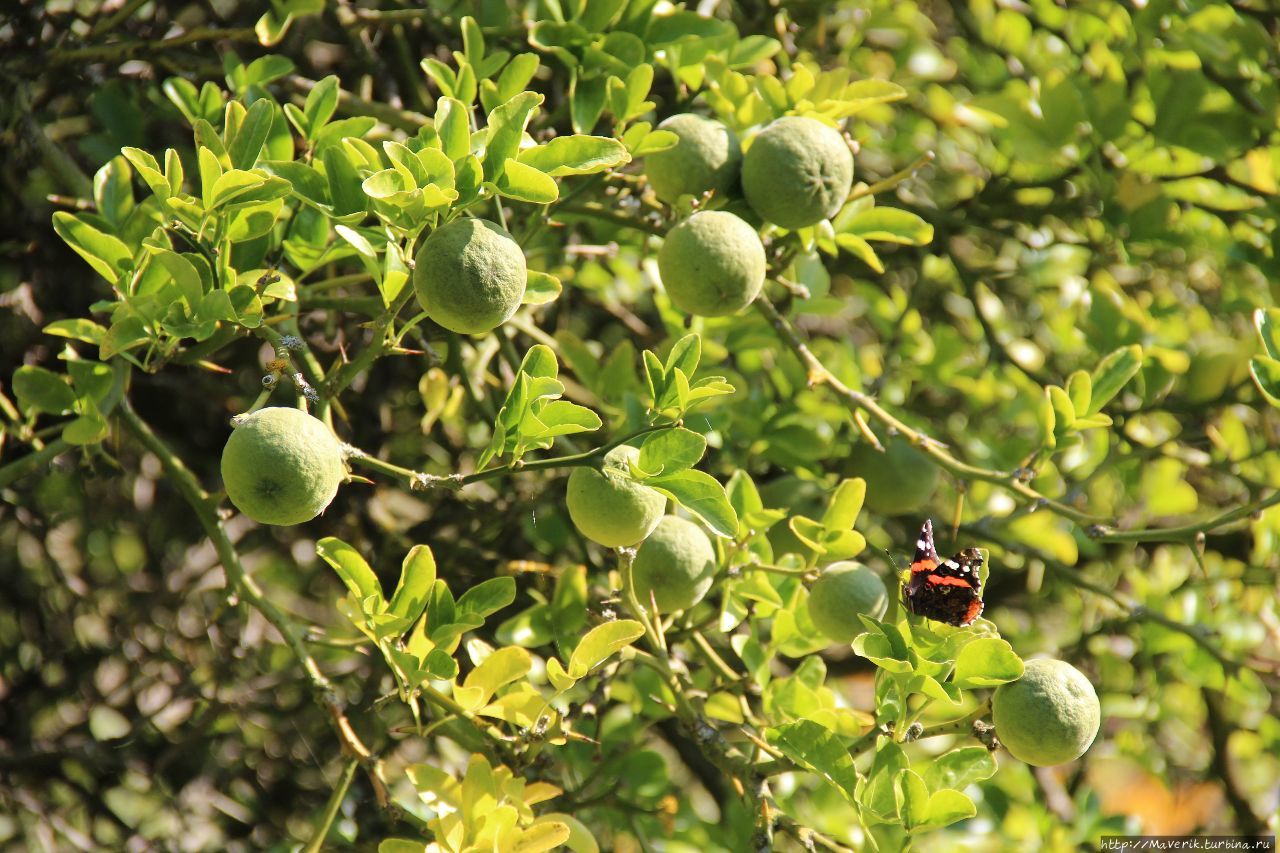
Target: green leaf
559, 417
568, 609
252, 135
440, 665
960, 768
1266, 375
986, 662
1064, 410
845, 505
149, 169
819, 750
505, 129
703, 496
685, 355
350, 566
77, 329
516, 76
586, 101
879, 795
452, 126
600, 643
113, 191
1112, 374
576, 155
948, 806
90, 428
233, 184
41, 390
321, 102
641, 141
124, 334
108, 255
417, 576
345, 188
559, 676
525, 183
912, 797
264, 69
1080, 390
861, 250
401, 845
497, 670
751, 50
888, 225
487, 597
671, 450
210, 172
1267, 322
540, 288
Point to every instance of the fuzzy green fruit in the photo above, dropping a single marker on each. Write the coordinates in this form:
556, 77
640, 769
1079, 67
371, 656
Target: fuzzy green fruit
676, 562
608, 506
470, 276
797, 172
282, 466
1048, 716
712, 264
842, 591
899, 481
707, 157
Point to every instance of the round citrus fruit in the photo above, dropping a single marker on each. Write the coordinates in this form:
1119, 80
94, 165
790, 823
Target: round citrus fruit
281, 466
797, 172
707, 157
470, 276
1048, 716
676, 563
608, 506
712, 264
841, 592
899, 481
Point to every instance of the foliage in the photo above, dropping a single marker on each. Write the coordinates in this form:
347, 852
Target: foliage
1050, 283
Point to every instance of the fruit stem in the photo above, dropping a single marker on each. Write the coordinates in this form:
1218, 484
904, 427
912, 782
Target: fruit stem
261, 400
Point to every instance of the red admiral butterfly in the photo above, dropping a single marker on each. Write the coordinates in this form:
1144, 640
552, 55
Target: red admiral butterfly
943, 590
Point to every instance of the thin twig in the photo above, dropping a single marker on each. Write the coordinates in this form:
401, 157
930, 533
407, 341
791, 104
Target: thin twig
855, 400
331, 808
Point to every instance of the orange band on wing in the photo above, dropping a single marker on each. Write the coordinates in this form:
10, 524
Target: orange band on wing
939, 580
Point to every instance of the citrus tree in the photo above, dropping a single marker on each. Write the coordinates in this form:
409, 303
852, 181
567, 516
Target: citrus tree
522, 429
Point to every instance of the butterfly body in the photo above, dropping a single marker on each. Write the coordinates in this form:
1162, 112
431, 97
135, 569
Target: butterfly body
943, 590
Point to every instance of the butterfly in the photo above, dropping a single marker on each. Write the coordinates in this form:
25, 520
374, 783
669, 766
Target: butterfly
943, 590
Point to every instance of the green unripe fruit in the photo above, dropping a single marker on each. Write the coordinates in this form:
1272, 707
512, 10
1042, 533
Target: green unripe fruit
608, 506
797, 172
676, 562
899, 481
470, 276
707, 157
842, 591
1048, 716
712, 264
282, 466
